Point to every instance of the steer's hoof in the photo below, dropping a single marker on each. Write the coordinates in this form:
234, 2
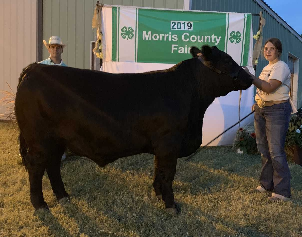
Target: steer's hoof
41, 206
41, 209
175, 210
62, 196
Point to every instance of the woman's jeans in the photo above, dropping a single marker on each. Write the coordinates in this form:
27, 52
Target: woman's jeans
271, 124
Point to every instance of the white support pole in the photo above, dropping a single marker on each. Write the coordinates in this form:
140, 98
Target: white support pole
187, 5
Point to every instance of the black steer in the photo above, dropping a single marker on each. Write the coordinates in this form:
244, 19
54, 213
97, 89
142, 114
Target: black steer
106, 116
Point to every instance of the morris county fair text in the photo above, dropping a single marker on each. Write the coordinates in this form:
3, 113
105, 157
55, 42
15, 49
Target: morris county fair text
185, 37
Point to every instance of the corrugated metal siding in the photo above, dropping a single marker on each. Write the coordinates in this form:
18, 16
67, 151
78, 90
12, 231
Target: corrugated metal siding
71, 20
291, 43
17, 41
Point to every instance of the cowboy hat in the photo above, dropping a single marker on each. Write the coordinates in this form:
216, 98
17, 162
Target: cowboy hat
53, 40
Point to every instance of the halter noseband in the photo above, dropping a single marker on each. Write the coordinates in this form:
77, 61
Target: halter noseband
234, 75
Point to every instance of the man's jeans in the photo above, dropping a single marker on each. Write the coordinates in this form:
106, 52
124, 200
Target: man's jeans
271, 124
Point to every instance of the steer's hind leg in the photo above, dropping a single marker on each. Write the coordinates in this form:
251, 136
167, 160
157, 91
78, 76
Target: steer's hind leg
36, 167
54, 171
54, 175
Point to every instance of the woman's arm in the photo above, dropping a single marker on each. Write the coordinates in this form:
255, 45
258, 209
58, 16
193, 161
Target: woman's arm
265, 86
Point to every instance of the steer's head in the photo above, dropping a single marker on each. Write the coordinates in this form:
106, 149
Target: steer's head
223, 64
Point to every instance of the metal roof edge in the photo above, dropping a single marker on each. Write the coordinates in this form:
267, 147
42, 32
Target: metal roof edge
265, 6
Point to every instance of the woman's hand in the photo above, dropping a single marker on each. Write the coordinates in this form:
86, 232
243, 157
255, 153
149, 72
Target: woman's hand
247, 70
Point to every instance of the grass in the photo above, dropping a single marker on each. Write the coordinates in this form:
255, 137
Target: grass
214, 190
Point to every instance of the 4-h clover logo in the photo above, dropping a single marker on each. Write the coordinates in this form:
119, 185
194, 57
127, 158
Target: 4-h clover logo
127, 32
235, 37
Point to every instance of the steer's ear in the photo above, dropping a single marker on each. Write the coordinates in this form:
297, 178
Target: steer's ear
206, 52
195, 51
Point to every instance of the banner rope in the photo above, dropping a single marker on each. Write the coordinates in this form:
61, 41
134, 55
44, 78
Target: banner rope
97, 23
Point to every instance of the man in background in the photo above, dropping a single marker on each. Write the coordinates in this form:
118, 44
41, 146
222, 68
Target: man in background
55, 49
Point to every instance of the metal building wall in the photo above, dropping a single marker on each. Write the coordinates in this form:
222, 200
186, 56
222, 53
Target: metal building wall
291, 41
71, 20
17, 42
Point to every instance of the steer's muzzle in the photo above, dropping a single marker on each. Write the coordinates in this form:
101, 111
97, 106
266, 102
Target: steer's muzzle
243, 80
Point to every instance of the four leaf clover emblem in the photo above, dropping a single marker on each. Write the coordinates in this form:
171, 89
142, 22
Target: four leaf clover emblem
127, 33
235, 37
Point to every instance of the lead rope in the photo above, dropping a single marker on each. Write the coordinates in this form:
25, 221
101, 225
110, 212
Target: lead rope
240, 95
197, 151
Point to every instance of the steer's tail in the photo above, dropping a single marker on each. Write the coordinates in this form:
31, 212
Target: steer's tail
23, 149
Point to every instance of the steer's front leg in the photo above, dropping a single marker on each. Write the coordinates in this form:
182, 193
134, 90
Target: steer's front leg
164, 172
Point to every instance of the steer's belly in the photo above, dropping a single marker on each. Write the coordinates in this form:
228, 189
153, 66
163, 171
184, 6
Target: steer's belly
100, 138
